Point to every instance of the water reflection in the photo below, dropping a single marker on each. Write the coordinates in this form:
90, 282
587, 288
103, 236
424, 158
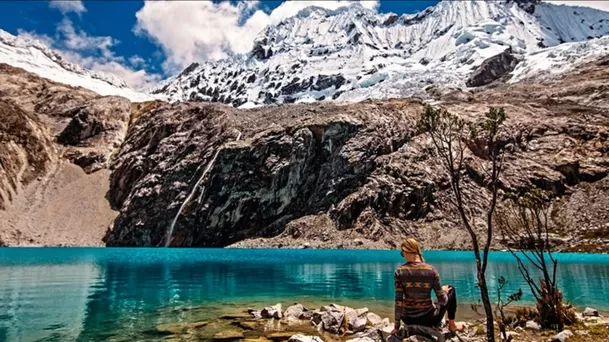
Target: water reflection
45, 302
120, 294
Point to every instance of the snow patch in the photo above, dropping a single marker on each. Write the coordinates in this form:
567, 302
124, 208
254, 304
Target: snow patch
33, 56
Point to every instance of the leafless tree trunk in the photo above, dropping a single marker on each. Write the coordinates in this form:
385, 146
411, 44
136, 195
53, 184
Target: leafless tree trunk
449, 135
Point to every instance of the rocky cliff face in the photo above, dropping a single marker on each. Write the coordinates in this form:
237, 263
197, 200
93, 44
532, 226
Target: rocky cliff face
46, 127
357, 175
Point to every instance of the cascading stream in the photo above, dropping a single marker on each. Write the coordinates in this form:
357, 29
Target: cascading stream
192, 192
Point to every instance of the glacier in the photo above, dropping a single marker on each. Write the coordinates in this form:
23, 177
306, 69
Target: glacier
33, 56
352, 53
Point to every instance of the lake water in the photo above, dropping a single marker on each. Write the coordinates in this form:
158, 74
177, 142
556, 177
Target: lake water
94, 294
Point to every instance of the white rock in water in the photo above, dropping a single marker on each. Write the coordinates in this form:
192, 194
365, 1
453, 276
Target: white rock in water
303, 338
562, 336
256, 313
272, 311
294, 311
532, 325
590, 312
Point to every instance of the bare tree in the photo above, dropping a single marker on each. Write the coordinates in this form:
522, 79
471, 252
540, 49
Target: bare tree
501, 305
450, 135
525, 227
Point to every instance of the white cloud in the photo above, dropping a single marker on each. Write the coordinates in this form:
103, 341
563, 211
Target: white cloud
81, 41
137, 79
66, 6
602, 5
137, 61
95, 53
192, 31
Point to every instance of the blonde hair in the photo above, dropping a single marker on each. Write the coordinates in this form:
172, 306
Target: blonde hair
412, 246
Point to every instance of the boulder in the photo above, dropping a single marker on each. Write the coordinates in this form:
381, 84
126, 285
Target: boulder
532, 325
562, 336
385, 323
332, 321
492, 69
316, 318
295, 311
356, 319
373, 319
372, 334
362, 311
386, 330
303, 338
306, 315
590, 312
256, 313
333, 307
272, 311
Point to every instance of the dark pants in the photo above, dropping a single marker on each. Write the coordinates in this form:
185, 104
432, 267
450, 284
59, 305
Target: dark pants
434, 317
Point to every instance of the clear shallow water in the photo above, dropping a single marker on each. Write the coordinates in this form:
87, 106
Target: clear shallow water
90, 294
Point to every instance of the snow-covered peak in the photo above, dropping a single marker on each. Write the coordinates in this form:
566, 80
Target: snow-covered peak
34, 56
354, 53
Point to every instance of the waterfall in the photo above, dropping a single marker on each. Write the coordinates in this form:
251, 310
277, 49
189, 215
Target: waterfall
192, 192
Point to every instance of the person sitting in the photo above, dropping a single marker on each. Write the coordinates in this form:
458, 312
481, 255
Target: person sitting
414, 282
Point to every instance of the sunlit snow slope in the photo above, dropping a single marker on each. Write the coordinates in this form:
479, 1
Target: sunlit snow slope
354, 53
33, 56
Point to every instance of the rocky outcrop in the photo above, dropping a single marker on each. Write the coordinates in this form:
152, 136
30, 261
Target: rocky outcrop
310, 159
348, 176
45, 128
492, 69
95, 131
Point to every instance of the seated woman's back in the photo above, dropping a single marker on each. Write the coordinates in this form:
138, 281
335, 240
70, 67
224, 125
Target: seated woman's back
414, 282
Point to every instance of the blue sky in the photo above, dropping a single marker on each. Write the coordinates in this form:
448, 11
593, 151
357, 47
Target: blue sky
146, 42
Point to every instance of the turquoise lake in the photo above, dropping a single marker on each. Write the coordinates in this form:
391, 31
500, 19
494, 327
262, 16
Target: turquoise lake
95, 294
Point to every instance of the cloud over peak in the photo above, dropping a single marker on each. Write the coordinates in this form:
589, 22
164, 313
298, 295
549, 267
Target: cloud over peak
192, 31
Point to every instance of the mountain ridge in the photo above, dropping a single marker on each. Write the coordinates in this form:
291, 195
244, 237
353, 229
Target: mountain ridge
34, 56
348, 53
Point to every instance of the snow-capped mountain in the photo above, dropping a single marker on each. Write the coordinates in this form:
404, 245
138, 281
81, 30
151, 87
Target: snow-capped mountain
353, 53
33, 56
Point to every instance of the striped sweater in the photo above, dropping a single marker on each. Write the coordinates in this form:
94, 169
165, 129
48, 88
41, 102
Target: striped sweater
413, 284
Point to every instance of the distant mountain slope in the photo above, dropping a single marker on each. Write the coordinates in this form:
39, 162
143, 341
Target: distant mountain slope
32, 55
353, 53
